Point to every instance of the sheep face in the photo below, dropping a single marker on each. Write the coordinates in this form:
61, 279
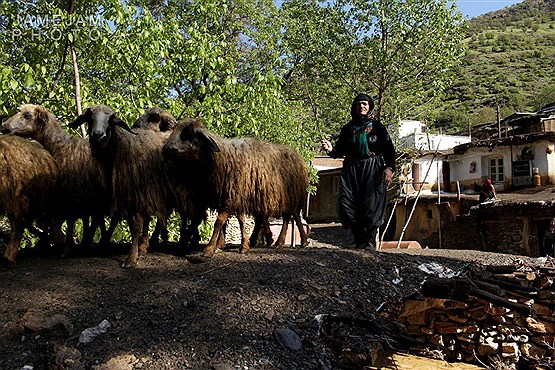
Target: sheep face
28, 122
190, 141
156, 119
100, 121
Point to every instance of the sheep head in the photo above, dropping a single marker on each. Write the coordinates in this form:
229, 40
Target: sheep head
191, 141
156, 119
28, 122
100, 121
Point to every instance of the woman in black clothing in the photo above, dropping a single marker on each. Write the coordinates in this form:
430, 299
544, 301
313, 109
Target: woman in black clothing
367, 170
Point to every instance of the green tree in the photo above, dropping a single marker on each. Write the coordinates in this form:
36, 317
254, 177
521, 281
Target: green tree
401, 52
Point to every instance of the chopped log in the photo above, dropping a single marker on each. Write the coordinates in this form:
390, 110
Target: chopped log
511, 286
517, 307
529, 276
454, 288
488, 287
462, 288
547, 271
504, 269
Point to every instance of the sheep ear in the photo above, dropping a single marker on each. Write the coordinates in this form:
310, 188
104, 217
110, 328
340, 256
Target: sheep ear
82, 119
116, 121
153, 117
41, 114
212, 146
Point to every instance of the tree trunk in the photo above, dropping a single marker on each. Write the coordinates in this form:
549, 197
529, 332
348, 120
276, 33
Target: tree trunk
70, 10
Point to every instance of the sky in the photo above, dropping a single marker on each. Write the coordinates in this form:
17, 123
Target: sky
474, 8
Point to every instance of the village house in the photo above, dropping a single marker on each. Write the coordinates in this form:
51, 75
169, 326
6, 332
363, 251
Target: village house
322, 206
519, 158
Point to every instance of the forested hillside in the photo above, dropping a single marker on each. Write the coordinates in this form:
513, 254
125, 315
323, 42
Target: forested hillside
509, 61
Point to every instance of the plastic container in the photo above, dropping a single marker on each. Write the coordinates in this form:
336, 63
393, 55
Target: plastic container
536, 178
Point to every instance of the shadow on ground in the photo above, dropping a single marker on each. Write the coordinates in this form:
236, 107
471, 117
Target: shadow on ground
333, 234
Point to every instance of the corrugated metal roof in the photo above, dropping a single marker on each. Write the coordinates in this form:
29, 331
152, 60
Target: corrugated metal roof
511, 140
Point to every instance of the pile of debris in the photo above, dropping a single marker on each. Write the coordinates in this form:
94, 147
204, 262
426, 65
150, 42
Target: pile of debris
487, 315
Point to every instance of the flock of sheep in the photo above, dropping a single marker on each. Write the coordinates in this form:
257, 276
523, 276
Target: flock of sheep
135, 173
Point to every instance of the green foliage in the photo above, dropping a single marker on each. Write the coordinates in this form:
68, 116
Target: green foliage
246, 67
403, 53
507, 64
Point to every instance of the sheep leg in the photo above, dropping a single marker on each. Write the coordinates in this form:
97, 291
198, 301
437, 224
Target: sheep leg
220, 243
8, 259
210, 249
258, 220
135, 227
88, 233
302, 232
244, 237
56, 232
268, 235
164, 234
185, 231
107, 235
143, 240
155, 237
281, 238
70, 242
189, 236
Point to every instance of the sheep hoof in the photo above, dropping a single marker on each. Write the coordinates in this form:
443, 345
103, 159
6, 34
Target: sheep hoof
244, 250
128, 264
208, 252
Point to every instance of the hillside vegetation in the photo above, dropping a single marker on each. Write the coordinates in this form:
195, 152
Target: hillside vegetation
509, 62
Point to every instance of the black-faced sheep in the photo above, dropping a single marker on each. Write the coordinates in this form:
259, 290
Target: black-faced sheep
161, 122
133, 164
241, 176
81, 184
27, 178
156, 119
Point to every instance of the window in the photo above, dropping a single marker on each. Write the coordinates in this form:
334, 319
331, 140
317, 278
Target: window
496, 170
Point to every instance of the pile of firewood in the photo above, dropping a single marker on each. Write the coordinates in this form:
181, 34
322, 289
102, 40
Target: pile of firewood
487, 315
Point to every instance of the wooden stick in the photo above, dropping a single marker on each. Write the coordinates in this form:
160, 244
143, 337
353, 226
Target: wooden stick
414, 205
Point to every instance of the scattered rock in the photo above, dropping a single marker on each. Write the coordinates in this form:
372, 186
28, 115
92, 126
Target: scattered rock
89, 334
65, 358
34, 322
222, 367
288, 338
125, 362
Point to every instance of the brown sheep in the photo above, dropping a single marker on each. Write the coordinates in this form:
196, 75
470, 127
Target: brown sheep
241, 176
156, 119
81, 184
163, 122
27, 178
133, 163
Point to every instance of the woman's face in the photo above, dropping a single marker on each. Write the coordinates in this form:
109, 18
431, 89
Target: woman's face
362, 107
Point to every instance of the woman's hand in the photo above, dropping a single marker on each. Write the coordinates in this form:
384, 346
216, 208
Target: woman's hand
326, 145
387, 176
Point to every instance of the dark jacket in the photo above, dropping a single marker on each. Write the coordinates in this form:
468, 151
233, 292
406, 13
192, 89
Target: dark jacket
379, 142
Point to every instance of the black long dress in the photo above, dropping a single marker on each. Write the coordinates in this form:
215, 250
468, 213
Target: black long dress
362, 193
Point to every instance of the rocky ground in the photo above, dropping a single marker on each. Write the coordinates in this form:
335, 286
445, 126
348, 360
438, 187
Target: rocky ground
270, 309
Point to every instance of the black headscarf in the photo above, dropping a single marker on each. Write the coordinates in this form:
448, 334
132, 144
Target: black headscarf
355, 116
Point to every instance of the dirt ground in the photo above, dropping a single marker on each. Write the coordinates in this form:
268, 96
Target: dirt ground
178, 310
